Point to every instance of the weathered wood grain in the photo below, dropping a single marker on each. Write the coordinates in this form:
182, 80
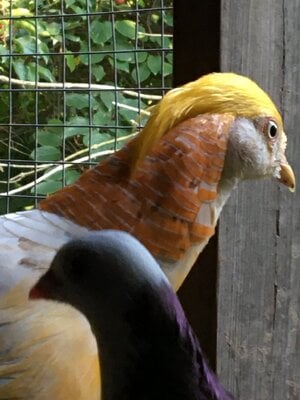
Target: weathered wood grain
258, 338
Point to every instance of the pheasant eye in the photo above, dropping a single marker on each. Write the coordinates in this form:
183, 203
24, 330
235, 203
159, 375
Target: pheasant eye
272, 129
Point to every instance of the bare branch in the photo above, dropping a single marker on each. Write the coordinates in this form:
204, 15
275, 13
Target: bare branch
68, 165
70, 85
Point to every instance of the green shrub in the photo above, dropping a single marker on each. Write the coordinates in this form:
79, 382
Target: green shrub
124, 49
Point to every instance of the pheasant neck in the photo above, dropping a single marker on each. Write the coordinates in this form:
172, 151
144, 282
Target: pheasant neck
170, 202
178, 271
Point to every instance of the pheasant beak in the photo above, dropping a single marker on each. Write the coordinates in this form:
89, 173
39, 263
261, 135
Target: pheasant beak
287, 176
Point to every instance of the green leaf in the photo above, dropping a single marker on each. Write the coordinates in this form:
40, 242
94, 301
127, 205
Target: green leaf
72, 38
20, 69
79, 10
85, 59
155, 18
26, 44
73, 24
123, 43
101, 117
126, 28
120, 65
45, 74
78, 121
52, 135
168, 69
46, 153
47, 187
48, 138
95, 138
156, 39
69, 3
53, 28
127, 114
100, 31
144, 73
125, 57
169, 58
74, 129
27, 26
71, 62
98, 72
21, 12
167, 42
168, 19
71, 176
57, 176
108, 97
43, 49
3, 50
99, 138
154, 64
55, 129
77, 100
119, 133
142, 56
96, 58
141, 35
31, 71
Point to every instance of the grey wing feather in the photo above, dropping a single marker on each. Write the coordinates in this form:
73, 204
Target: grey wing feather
28, 243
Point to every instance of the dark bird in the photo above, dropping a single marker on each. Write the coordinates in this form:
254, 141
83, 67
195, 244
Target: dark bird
148, 349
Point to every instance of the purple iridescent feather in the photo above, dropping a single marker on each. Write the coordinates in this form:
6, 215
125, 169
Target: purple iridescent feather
147, 348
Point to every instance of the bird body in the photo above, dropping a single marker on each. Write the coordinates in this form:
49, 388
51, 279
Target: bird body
167, 187
115, 282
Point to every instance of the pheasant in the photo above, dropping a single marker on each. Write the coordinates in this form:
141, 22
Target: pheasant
166, 187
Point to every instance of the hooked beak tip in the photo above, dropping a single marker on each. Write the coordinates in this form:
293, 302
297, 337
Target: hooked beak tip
287, 176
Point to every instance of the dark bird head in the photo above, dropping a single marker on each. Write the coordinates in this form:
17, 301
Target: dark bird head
110, 265
147, 348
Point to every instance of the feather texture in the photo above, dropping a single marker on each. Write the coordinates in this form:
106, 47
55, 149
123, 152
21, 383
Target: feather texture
113, 280
216, 93
173, 217
28, 244
169, 196
37, 356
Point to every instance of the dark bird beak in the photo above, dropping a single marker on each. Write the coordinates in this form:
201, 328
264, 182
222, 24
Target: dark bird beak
287, 176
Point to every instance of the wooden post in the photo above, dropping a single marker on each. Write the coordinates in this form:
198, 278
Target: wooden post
258, 338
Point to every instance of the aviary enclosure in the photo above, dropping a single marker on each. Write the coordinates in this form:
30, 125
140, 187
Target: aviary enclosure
76, 79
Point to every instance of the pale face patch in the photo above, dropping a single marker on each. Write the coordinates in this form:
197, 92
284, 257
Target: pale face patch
252, 154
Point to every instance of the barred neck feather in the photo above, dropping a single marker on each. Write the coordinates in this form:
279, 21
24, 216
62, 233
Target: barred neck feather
167, 203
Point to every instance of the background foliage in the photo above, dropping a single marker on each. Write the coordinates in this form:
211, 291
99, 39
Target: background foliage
124, 44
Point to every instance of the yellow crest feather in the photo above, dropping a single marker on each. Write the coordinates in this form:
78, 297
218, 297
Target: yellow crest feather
213, 93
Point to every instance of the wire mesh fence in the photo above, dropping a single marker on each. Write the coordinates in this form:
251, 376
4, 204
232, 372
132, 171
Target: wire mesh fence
76, 79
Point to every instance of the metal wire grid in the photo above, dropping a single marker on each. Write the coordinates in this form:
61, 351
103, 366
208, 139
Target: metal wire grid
74, 77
